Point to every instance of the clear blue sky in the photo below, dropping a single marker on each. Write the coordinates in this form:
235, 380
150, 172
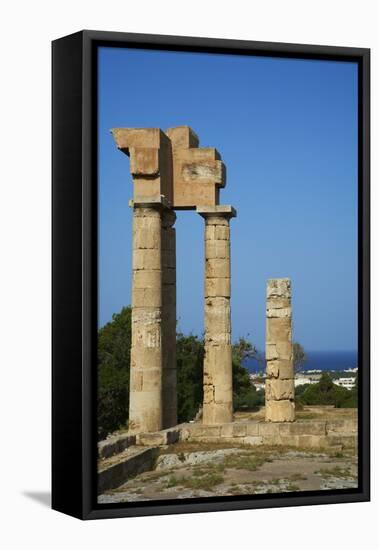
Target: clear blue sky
287, 132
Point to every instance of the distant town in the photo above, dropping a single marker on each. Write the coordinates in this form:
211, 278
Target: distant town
345, 378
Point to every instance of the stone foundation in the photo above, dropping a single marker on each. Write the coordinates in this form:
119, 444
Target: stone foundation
112, 475
302, 434
124, 456
307, 433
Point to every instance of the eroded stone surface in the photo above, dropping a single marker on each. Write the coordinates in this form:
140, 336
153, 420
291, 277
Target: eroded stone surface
218, 387
280, 387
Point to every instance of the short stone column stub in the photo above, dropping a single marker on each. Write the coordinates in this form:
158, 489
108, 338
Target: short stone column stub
280, 383
217, 385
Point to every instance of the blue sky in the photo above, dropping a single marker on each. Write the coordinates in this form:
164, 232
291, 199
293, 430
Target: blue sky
287, 132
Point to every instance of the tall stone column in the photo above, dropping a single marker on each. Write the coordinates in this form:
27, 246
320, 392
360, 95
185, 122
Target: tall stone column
169, 378
153, 360
218, 386
145, 409
280, 383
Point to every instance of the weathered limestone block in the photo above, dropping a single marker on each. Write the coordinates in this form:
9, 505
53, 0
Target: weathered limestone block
145, 409
146, 258
217, 286
151, 162
117, 473
279, 288
198, 173
278, 330
268, 429
280, 411
147, 278
114, 445
164, 437
144, 161
280, 387
142, 296
218, 385
219, 249
200, 430
309, 427
217, 267
279, 368
222, 233
252, 428
217, 316
182, 137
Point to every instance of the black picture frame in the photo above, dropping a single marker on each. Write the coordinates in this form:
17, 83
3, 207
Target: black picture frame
74, 272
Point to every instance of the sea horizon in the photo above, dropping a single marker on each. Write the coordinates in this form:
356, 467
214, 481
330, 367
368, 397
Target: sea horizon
325, 360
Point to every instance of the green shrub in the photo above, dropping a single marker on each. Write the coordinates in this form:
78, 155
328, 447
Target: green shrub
113, 352
325, 392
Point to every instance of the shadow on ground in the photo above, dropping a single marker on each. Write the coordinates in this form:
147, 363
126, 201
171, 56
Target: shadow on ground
41, 497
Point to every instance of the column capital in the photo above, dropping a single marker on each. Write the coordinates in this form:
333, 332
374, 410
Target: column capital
218, 210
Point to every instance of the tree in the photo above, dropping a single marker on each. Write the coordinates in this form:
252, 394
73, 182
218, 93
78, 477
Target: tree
244, 349
245, 395
113, 353
299, 356
189, 359
325, 392
113, 373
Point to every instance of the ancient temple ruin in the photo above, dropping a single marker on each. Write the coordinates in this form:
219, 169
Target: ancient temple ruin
171, 172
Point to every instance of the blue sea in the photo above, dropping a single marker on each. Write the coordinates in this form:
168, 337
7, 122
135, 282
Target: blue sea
321, 360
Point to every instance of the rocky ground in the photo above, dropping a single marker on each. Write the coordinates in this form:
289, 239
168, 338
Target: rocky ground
186, 470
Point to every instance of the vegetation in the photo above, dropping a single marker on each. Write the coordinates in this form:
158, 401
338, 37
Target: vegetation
299, 356
113, 355
114, 343
337, 471
189, 360
205, 482
245, 395
325, 392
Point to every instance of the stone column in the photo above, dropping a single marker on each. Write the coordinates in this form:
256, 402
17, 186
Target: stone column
145, 409
218, 387
153, 359
280, 383
169, 390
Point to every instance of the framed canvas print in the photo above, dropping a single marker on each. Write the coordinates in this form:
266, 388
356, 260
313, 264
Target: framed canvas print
210, 274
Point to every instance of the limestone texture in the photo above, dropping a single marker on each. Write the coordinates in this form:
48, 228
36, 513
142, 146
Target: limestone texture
145, 409
198, 173
170, 171
217, 385
280, 384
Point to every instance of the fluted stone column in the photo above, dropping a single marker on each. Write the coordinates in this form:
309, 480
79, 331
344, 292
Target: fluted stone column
169, 378
145, 409
280, 383
218, 387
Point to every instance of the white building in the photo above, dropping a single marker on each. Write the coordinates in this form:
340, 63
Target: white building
347, 383
301, 380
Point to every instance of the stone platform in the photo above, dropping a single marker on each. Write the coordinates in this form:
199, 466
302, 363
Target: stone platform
124, 456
